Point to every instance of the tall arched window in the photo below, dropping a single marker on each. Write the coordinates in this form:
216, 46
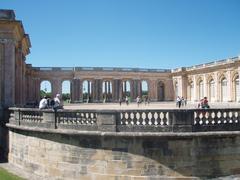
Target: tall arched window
126, 88
224, 92
87, 91
45, 88
66, 92
144, 88
211, 90
107, 91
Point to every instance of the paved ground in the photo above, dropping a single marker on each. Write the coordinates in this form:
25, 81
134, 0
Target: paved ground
153, 105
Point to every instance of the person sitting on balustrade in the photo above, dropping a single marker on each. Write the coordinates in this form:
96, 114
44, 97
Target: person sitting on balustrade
204, 104
43, 103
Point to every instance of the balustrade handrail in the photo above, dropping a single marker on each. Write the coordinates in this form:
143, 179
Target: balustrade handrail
157, 120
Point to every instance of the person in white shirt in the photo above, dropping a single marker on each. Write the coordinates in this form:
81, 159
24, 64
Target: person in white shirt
57, 102
138, 101
43, 103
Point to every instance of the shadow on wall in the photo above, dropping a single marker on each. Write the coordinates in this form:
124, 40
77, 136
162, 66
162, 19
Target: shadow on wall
4, 146
205, 157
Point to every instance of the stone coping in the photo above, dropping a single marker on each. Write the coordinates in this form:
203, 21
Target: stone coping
129, 134
121, 110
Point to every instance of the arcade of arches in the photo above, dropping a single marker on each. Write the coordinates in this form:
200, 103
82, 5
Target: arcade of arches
21, 82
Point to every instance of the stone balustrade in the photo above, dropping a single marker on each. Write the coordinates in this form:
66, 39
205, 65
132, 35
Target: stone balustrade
217, 120
174, 120
125, 144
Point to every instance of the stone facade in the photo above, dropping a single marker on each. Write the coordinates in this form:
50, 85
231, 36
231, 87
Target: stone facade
14, 46
218, 80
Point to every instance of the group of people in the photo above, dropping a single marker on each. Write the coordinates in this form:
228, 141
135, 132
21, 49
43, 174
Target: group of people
203, 103
139, 100
54, 103
181, 102
126, 100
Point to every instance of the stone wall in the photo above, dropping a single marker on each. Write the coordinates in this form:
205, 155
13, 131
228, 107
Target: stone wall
125, 155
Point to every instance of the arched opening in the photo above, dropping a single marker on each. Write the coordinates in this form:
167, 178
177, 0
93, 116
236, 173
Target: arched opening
224, 93
87, 91
144, 89
236, 89
126, 88
211, 90
66, 92
200, 90
161, 91
107, 91
45, 89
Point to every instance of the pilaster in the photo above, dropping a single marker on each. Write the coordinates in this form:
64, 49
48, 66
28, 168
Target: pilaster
184, 86
195, 88
116, 89
217, 89
56, 86
205, 86
9, 72
229, 86
238, 98
75, 90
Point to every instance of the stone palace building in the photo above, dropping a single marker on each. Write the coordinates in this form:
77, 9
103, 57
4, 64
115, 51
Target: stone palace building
20, 82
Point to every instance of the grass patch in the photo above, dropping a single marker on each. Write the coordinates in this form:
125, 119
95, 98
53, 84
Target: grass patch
5, 175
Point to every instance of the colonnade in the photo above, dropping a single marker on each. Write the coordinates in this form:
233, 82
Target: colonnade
100, 90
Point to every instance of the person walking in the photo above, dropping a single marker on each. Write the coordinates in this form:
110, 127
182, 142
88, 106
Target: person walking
138, 101
127, 100
179, 102
120, 101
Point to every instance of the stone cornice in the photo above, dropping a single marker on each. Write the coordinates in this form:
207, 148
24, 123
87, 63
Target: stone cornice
15, 30
128, 134
207, 69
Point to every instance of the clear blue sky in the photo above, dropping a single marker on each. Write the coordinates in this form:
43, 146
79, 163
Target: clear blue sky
129, 33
